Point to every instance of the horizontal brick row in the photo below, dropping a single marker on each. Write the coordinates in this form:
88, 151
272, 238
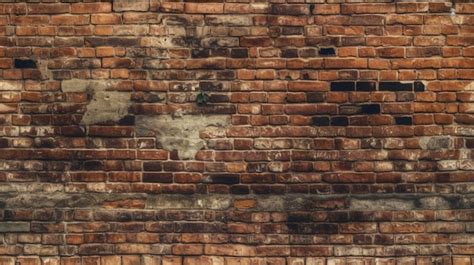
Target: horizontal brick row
14, 220
216, 260
302, 224
223, 132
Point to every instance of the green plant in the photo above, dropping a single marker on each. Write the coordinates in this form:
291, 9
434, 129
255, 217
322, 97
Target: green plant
202, 98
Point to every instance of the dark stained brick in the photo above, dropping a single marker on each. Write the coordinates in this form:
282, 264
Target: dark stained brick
371, 108
327, 51
314, 97
419, 86
25, 63
395, 86
158, 177
320, 121
339, 121
366, 86
224, 178
342, 86
403, 120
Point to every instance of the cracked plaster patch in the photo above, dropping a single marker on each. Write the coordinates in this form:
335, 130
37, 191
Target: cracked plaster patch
180, 132
105, 105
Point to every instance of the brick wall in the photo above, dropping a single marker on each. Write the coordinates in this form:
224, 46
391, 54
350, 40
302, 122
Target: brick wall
262, 132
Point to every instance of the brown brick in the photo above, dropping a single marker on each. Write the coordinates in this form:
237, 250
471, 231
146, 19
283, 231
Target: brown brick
105, 19
126, 5
345, 63
208, 8
326, 9
87, 8
70, 19
401, 228
367, 8
48, 9
31, 20
204, 260
230, 250
404, 19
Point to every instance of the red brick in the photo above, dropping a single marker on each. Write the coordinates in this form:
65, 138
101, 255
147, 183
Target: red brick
408, 7
125, 5
105, 19
404, 19
48, 8
308, 86
230, 250
367, 8
70, 20
345, 63
208, 8
204, 260
396, 228
87, 8
326, 9
464, 8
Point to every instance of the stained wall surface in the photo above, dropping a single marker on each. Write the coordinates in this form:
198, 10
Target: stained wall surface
236, 132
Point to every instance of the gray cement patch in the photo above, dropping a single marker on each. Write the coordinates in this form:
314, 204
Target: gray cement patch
105, 105
180, 132
436, 142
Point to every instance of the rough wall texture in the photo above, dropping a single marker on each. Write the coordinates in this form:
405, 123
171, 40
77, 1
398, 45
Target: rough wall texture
326, 132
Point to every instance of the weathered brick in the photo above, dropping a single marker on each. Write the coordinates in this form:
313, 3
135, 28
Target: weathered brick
401, 228
7, 260
345, 63
100, 19
48, 8
11, 85
9, 227
312, 126
290, 9
70, 20
86, 8
367, 8
208, 8
127, 5
203, 260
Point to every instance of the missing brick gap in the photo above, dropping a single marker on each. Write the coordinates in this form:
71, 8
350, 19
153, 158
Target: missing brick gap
25, 63
327, 51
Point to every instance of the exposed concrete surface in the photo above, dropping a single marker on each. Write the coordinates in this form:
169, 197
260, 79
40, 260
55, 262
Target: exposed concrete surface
386, 204
60, 199
180, 132
382, 202
216, 202
82, 85
105, 105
